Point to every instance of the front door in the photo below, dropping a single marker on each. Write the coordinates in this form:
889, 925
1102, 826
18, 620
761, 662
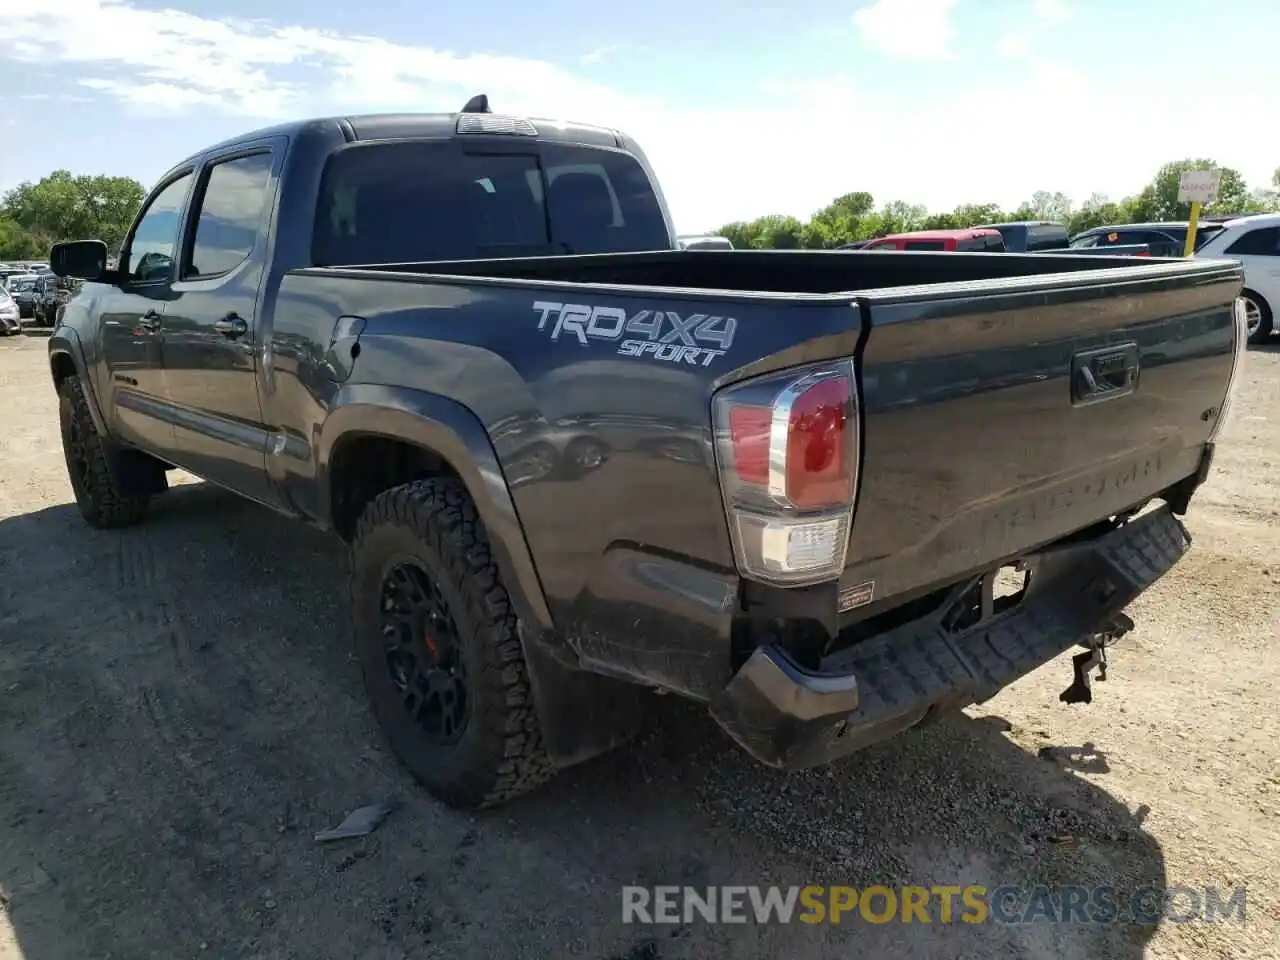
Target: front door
211, 337
132, 315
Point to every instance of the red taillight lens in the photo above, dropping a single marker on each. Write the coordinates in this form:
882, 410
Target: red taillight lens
787, 450
749, 429
818, 471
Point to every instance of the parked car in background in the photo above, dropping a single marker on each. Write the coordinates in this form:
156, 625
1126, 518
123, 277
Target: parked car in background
1028, 236
705, 243
1162, 239
51, 292
9, 271
22, 288
1254, 242
10, 320
973, 239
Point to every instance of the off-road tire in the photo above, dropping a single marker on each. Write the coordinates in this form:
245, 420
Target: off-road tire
433, 523
95, 478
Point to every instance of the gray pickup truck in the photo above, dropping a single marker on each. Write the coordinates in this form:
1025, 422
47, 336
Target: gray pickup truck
828, 495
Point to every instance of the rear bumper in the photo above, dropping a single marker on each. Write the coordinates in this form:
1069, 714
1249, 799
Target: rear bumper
790, 718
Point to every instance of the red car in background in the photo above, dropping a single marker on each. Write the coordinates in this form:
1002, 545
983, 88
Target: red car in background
973, 239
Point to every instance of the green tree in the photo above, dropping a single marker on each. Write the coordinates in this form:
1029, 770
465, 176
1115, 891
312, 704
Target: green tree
1048, 206
841, 221
66, 207
1159, 199
897, 216
852, 217
18, 244
777, 232
739, 234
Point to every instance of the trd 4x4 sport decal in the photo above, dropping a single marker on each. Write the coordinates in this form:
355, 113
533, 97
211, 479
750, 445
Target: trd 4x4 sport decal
697, 339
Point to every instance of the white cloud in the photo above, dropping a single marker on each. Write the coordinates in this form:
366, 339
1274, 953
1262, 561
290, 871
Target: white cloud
913, 29
1052, 11
1013, 46
789, 148
599, 54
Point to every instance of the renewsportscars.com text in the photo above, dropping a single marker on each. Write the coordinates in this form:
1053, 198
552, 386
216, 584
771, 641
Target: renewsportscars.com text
814, 904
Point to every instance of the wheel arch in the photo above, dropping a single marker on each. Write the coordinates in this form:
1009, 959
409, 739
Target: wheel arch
406, 434
376, 437
66, 359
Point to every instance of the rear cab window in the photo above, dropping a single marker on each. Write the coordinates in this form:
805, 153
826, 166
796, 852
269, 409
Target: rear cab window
982, 244
1046, 236
423, 200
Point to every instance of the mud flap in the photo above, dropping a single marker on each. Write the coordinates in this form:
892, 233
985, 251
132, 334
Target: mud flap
582, 714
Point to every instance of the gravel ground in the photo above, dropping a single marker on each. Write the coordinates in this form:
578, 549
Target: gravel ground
179, 714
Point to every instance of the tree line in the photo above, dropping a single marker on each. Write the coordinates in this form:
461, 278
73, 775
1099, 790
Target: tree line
855, 216
63, 206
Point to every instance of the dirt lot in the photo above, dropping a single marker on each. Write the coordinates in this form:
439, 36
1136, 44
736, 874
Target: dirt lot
179, 714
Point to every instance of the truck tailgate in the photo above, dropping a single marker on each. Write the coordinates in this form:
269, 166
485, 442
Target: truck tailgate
999, 416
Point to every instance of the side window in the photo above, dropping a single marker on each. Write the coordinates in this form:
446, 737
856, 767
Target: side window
1161, 243
235, 195
1263, 242
151, 249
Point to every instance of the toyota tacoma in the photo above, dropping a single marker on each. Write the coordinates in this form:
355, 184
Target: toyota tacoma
827, 495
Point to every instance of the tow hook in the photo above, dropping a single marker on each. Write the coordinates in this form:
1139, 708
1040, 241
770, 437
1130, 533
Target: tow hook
1094, 658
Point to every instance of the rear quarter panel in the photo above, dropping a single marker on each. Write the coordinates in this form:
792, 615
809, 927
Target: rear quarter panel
606, 449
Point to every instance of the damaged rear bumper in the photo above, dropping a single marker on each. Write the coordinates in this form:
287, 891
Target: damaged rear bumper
791, 718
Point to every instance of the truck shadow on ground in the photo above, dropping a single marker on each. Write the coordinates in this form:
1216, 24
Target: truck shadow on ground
179, 714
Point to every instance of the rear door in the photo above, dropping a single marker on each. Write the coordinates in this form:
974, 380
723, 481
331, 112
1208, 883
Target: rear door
1258, 251
211, 333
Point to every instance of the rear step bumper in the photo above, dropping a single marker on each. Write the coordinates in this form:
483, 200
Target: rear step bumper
790, 718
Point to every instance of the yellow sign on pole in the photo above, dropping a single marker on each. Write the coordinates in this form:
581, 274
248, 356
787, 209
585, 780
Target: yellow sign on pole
1197, 187
1192, 224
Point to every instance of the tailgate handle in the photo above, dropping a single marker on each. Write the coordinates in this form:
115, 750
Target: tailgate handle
1106, 373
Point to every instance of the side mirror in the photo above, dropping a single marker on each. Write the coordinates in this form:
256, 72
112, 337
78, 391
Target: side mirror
79, 259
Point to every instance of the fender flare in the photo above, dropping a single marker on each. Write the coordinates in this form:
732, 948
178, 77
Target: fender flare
452, 431
64, 341
582, 714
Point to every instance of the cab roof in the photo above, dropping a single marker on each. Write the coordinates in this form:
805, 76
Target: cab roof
416, 126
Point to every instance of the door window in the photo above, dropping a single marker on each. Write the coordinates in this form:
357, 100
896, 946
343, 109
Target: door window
151, 249
235, 195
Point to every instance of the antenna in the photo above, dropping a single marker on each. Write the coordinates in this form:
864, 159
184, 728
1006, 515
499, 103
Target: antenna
477, 104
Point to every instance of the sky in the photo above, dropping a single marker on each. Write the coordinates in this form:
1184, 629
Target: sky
744, 107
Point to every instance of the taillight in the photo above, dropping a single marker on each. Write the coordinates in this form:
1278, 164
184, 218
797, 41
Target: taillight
787, 451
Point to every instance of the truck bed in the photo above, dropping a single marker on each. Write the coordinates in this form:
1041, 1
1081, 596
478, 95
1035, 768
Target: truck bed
977, 445
767, 272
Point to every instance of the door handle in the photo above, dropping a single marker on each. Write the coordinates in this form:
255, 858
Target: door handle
150, 321
231, 326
